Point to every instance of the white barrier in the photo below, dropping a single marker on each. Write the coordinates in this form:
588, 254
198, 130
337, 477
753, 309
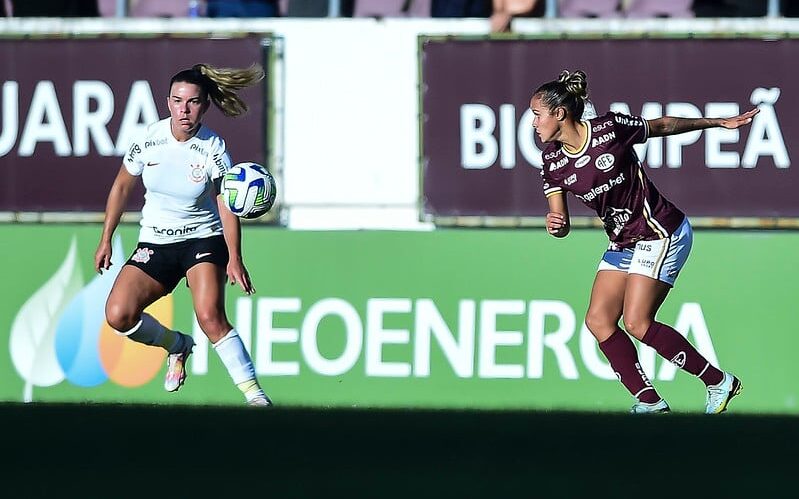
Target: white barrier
350, 147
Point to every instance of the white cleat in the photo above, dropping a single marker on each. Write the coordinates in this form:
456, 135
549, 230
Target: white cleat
718, 396
260, 402
658, 407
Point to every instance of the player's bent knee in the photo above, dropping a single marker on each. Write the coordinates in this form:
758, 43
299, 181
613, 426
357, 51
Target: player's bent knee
599, 326
637, 328
123, 323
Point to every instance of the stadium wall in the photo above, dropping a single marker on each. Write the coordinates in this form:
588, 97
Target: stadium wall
452, 318
347, 105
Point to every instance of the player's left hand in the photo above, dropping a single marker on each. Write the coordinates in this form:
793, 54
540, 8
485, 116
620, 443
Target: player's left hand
740, 120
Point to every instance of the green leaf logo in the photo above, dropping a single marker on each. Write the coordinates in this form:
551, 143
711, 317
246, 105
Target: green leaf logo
33, 330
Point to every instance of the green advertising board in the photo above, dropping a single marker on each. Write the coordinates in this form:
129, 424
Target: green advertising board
456, 318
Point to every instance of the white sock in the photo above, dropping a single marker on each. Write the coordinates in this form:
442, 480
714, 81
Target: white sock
239, 364
151, 332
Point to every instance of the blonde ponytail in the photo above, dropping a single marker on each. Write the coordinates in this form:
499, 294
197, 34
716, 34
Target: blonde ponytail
224, 82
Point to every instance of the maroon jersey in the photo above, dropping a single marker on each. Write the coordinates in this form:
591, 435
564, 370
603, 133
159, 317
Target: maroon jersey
608, 177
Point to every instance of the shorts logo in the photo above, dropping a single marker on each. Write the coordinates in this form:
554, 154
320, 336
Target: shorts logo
142, 255
200, 255
582, 162
197, 174
679, 360
605, 162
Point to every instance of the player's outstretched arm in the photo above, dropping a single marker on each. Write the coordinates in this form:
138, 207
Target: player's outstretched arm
671, 125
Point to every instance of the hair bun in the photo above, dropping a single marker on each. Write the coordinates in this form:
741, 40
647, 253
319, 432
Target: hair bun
575, 82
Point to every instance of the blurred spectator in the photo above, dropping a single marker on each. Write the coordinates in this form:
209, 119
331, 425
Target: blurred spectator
316, 8
161, 8
461, 8
643, 9
392, 8
242, 8
54, 8
732, 8
505, 10
604, 9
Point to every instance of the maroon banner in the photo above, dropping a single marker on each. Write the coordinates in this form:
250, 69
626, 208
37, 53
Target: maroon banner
71, 106
481, 157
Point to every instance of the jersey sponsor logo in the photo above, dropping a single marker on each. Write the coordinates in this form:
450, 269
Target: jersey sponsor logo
134, 151
153, 143
571, 179
605, 162
582, 161
551, 155
201, 255
601, 126
596, 191
220, 163
198, 148
197, 174
142, 255
615, 219
558, 164
187, 229
598, 141
627, 120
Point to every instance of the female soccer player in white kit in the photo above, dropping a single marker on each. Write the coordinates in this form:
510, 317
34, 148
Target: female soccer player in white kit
185, 229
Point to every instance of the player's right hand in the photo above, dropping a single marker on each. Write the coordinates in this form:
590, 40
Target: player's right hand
556, 223
102, 257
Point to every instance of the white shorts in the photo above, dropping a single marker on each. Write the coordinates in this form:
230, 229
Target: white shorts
661, 259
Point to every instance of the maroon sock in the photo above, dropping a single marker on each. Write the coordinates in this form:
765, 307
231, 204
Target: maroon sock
623, 357
673, 347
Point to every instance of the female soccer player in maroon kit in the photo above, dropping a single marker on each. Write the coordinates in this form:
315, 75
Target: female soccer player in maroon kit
649, 237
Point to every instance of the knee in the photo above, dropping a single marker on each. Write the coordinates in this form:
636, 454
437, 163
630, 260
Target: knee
600, 325
119, 317
637, 326
213, 324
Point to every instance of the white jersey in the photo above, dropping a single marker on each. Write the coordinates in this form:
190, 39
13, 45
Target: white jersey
180, 201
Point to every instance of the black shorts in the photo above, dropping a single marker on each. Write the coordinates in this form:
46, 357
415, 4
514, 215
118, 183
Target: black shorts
168, 263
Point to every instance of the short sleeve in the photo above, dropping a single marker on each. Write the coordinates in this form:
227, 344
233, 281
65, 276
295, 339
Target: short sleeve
630, 129
133, 160
219, 160
550, 187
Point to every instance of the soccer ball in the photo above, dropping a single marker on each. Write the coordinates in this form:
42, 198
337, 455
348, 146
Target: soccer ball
248, 190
